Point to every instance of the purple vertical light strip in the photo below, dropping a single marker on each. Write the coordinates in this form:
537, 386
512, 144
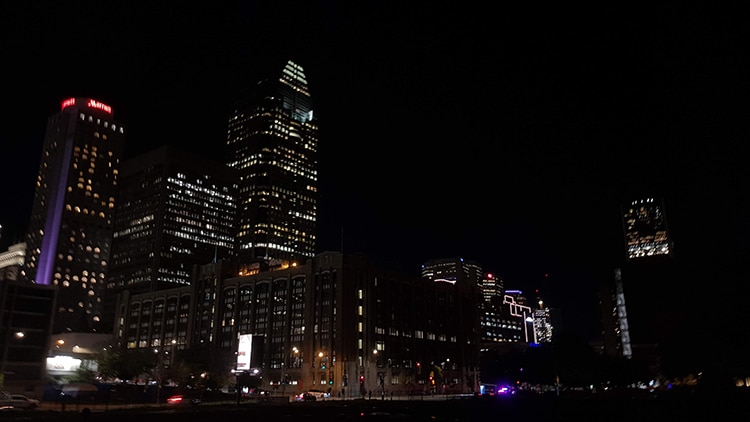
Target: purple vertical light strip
54, 218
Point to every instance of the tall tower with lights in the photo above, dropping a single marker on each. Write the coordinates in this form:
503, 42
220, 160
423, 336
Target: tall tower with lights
272, 141
640, 311
70, 227
645, 227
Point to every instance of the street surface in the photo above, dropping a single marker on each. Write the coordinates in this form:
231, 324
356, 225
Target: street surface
511, 408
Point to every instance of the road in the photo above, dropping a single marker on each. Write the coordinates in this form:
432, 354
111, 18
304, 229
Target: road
533, 408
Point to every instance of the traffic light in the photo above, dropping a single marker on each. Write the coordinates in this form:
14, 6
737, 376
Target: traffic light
361, 379
330, 382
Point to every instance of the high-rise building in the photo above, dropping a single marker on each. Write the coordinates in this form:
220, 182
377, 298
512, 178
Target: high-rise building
641, 308
520, 317
70, 227
645, 227
455, 271
493, 288
272, 141
175, 210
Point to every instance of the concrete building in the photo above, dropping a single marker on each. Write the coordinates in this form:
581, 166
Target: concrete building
336, 322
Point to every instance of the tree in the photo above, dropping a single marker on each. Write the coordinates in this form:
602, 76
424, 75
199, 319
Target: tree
209, 368
118, 362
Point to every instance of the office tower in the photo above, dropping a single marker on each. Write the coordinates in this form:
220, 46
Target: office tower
454, 270
543, 325
338, 321
641, 310
175, 210
493, 288
520, 318
645, 226
70, 227
272, 141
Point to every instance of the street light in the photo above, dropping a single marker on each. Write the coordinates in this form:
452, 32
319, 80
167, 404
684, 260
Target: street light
159, 364
381, 375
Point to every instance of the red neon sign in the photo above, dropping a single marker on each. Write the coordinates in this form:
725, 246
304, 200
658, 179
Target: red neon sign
68, 103
91, 104
100, 106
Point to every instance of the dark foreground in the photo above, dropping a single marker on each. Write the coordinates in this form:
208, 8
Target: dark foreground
532, 408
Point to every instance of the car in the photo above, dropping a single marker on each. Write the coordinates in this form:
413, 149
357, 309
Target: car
19, 401
182, 400
319, 394
305, 397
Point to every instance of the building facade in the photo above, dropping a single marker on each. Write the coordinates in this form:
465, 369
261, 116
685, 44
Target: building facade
272, 141
70, 227
336, 322
175, 210
11, 262
25, 322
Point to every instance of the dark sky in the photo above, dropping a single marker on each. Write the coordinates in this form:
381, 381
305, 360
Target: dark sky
509, 135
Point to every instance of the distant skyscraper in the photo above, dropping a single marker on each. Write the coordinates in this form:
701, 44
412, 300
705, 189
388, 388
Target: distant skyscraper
646, 232
543, 325
493, 289
520, 317
272, 141
454, 271
175, 210
70, 227
640, 310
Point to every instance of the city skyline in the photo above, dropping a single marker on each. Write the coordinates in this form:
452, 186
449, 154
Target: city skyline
510, 140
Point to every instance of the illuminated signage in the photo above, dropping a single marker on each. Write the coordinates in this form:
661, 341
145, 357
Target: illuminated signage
68, 103
100, 106
243, 352
91, 104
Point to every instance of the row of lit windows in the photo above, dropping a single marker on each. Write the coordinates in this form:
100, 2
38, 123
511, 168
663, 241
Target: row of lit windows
100, 122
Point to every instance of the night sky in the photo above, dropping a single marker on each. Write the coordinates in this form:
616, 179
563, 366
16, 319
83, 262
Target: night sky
508, 135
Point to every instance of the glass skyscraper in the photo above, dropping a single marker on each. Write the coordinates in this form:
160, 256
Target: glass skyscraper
176, 210
272, 141
70, 227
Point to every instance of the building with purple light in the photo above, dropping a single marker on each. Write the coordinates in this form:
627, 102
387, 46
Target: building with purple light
70, 227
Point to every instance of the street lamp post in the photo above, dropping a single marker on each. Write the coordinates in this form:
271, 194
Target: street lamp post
381, 375
159, 365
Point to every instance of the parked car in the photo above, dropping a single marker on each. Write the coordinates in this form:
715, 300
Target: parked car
18, 401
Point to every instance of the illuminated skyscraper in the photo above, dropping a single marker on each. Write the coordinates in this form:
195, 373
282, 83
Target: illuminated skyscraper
176, 210
454, 271
70, 227
640, 311
493, 289
272, 141
645, 226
